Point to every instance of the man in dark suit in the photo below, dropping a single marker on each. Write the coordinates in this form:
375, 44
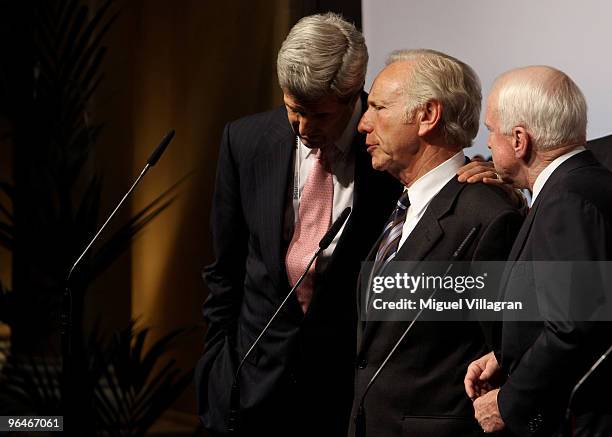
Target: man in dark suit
537, 121
602, 149
423, 111
283, 176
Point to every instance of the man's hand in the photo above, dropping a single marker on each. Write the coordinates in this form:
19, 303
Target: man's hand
483, 171
487, 414
479, 373
479, 170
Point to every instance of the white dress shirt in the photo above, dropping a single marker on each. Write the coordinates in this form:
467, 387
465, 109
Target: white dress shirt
549, 169
343, 171
425, 188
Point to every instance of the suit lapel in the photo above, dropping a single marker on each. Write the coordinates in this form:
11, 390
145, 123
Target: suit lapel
521, 238
428, 230
423, 238
272, 169
580, 160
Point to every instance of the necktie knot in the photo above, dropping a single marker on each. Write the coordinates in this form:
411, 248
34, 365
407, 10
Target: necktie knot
392, 232
404, 201
327, 156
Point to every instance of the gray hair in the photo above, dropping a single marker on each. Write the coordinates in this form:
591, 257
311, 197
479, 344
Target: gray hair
546, 102
322, 54
438, 76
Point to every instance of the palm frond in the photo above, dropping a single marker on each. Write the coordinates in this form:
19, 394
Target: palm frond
6, 236
136, 395
4, 211
121, 239
8, 189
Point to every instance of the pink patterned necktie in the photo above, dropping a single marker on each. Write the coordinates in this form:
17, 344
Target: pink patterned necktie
314, 219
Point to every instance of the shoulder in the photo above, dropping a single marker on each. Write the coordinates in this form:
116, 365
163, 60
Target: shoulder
245, 136
485, 201
602, 149
587, 186
259, 121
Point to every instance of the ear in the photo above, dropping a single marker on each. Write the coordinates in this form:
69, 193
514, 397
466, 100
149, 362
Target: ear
429, 116
521, 142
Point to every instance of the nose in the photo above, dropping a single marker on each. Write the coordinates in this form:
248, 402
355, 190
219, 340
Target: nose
365, 126
304, 125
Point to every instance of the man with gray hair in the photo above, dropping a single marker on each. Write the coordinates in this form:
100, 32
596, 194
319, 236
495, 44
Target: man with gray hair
423, 110
537, 119
283, 177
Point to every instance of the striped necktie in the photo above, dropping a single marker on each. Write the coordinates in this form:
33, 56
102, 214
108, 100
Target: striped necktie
392, 234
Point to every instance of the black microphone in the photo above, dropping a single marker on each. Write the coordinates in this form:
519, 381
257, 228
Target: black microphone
568, 412
360, 417
233, 422
334, 229
161, 147
66, 309
153, 158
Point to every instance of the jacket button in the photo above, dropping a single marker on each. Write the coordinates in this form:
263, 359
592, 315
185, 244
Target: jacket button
362, 364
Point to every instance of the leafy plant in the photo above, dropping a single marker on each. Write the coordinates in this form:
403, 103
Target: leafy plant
47, 96
128, 387
53, 51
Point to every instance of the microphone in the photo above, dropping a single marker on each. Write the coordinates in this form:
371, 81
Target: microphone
360, 417
235, 392
161, 147
568, 412
66, 311
334, 229
153, 158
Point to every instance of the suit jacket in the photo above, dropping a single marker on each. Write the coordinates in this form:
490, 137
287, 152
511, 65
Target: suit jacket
571, 220
302, 371
602, 149
420, 392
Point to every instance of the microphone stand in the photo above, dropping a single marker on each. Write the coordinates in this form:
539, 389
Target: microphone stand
67, 304
567, 423
234, 412
360, 417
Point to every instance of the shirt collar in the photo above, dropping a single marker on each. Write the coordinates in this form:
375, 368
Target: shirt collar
550, 168
427, 186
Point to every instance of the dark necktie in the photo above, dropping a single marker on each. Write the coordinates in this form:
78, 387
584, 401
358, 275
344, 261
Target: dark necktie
392, 234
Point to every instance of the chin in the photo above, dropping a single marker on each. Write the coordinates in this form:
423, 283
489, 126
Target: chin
314, 143
379, 162
377, 165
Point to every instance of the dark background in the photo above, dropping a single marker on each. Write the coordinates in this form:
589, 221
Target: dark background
191, 65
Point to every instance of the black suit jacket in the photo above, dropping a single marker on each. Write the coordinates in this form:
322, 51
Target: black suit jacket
571, 220
602, 149
420, 392
302, 371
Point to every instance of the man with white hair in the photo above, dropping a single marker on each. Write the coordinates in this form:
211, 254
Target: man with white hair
537, 119
283, 177
423, 110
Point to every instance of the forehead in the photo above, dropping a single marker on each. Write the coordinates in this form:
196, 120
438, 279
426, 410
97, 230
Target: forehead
491, 107
327, 103
390, 82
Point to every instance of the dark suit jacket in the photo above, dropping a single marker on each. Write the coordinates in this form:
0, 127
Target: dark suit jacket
602, 149
420, 392
301, 374
571, 220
